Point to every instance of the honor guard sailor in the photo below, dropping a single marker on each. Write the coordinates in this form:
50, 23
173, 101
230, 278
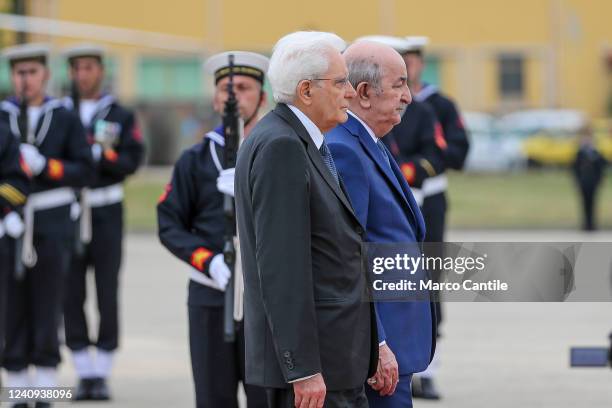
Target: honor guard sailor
192, 224
117, 149
456, 146
446, 111
53, 145
14, 185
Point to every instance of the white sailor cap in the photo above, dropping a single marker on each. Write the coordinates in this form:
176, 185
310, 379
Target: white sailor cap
26, 52
416, 43
399, 44
245, 63
84, 50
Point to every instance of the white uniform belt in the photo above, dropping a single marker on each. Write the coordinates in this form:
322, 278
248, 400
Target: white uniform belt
417, 193
434, 185
103, 196
44, 200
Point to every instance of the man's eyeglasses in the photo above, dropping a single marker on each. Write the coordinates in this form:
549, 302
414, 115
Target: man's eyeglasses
337, 82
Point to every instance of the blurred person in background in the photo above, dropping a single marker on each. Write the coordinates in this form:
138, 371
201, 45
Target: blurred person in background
589, 169
454, 145
14, 185
55, 149
117, 149
191, 225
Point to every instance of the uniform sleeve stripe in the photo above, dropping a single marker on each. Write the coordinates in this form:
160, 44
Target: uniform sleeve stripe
428, 167
12, 195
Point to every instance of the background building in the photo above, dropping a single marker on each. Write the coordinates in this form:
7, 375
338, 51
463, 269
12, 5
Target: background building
491, 56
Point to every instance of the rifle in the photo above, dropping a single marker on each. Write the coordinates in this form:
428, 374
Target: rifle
79, 246
76, 97
231, 132
22, 124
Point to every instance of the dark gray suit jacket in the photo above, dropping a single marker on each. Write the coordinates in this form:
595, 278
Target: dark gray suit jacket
301, 255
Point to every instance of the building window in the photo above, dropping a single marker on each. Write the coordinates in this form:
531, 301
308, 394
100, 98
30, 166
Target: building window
511, 76
169, 79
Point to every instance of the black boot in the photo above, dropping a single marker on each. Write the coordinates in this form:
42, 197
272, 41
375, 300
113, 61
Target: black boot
83, 390
20, 405
40, 404
99, 390
424, 388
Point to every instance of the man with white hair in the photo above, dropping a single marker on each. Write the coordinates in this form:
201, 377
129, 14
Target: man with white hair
311, 339
386, 208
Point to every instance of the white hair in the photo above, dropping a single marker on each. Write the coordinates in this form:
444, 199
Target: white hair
297, 56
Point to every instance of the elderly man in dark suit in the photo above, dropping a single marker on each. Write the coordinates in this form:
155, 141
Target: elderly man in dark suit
384, 204
311, 336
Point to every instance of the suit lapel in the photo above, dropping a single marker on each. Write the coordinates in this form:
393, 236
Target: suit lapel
313, 153
374, 152
392, 174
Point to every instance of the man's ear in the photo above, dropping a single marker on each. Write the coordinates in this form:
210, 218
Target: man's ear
364, 90
263, 99
304, 92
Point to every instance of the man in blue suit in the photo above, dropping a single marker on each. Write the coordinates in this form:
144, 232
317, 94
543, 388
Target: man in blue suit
383, 204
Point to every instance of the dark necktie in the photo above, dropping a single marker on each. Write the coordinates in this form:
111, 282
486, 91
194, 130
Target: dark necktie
329, 160
384, 151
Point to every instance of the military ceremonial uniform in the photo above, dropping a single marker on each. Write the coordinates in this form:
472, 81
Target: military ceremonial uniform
117, 148
192, 226
14, 185
455, 153
453, 127
418, 146
435, 202
102, 202
34, 300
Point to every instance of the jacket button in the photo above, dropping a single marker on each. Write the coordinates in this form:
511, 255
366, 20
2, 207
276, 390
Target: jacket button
359, 230
286, 354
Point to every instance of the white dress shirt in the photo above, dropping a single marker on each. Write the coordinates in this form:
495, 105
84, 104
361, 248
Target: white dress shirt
311, 128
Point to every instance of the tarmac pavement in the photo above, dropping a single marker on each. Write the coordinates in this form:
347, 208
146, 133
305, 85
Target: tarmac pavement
492, 354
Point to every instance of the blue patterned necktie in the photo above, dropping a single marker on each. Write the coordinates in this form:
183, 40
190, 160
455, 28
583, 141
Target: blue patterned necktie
384, 151
329, 160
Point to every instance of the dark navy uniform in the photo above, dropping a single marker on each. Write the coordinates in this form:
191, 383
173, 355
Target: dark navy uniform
454, 153
192, 225
103, 249
418, 146
588, 168
35, 301
453, 128
14, 185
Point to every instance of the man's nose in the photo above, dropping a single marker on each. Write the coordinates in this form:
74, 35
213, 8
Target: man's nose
406, 96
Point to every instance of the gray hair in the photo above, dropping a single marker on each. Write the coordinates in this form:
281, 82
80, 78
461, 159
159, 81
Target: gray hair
364, 70
297, 56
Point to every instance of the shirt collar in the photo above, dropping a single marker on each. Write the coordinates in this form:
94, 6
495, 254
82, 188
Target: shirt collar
370, 131
311, 128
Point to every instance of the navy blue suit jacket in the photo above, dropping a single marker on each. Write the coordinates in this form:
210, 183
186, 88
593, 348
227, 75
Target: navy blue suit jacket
384, 205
